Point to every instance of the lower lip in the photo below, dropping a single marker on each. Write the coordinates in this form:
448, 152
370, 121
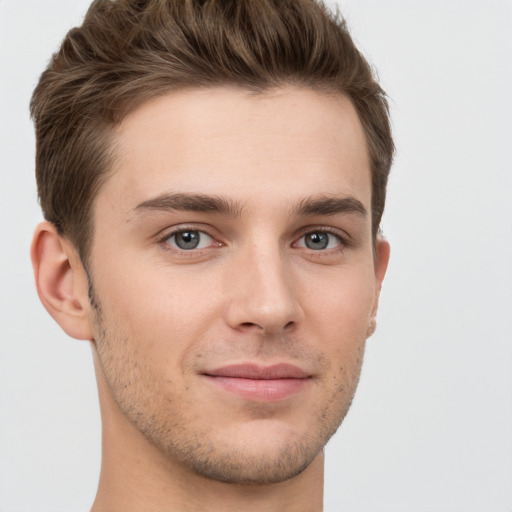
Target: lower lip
261, 390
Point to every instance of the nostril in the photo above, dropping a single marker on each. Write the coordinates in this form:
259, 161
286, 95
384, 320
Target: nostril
251, 325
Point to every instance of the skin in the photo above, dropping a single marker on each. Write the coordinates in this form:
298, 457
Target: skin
291, 167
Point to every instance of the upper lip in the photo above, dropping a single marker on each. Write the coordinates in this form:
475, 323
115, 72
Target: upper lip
260, 372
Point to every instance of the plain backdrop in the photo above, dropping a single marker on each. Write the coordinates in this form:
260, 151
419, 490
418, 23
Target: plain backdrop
430, 429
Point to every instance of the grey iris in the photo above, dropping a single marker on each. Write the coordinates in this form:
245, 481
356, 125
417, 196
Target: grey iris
187, 239
316, 241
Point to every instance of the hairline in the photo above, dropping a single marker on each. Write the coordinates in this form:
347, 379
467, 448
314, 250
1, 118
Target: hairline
112, 155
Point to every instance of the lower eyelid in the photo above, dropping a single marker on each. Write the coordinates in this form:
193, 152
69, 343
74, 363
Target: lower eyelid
341, 241
167, 240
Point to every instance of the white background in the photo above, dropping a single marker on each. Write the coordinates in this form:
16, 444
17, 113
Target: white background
431, 426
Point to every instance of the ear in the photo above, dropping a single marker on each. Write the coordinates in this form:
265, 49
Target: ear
381, 260
61, 281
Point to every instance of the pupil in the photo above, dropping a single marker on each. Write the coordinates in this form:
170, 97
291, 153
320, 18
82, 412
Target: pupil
317, 241
187, 239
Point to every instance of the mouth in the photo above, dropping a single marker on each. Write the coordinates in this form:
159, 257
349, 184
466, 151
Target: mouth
260, 383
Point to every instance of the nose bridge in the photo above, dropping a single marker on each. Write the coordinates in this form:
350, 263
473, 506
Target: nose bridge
262, 290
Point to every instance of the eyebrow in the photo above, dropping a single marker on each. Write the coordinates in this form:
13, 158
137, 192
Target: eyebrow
322, 205
191, 203
329, 205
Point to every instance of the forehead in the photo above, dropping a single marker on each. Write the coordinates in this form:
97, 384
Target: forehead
289, 140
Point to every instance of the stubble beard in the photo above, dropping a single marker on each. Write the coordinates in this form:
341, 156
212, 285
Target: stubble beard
151, 412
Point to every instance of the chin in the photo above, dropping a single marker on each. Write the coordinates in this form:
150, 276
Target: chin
245, 468
267, 453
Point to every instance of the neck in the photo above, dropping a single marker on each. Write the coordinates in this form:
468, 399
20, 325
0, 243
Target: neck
136, 475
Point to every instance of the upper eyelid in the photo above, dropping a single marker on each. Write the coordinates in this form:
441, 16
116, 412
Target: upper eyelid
163, 241
341, 233
342, 241
168, 232
173, 236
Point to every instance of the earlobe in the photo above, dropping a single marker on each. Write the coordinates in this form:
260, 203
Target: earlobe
61, 281
382, 253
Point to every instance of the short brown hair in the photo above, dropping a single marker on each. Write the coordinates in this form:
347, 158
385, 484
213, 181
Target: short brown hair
129, 51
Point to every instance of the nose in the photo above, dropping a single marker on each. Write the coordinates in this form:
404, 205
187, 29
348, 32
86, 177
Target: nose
262, 293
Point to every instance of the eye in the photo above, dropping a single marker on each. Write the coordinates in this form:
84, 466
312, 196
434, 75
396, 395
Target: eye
189, 239
319, 240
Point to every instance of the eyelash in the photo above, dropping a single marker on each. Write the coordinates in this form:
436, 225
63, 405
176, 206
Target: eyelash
344, 241
184, 229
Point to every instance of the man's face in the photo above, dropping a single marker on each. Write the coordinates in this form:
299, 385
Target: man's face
235, 278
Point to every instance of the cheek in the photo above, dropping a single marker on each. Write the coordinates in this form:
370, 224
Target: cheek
339, 317
157, 316
343, 303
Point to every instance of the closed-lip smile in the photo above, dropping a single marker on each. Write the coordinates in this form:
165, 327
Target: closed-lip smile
260, 383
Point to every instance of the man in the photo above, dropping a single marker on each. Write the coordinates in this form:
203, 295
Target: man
213, 175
